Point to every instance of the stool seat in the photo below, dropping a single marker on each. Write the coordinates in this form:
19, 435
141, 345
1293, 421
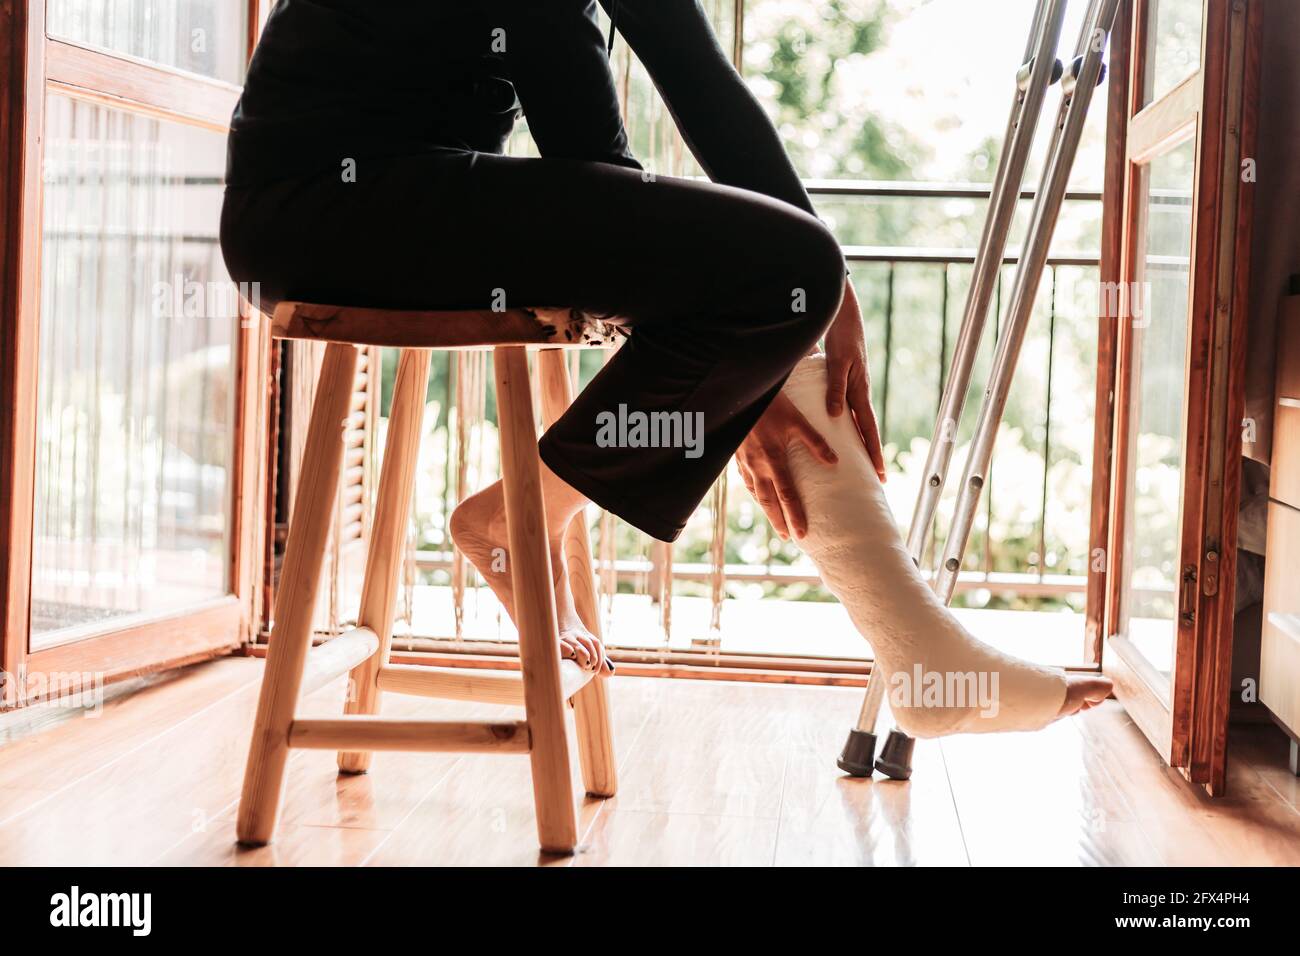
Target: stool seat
449, 330
543, 683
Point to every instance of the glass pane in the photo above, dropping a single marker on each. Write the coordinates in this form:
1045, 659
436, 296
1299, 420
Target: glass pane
136, 376
1153, 499
208, 37
1173, 45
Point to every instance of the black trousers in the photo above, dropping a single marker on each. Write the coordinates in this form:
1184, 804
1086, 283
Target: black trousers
725, 289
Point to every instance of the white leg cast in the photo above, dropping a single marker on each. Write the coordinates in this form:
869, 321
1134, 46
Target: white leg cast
941, 679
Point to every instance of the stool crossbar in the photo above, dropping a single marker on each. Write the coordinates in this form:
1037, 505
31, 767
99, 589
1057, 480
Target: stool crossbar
543, 682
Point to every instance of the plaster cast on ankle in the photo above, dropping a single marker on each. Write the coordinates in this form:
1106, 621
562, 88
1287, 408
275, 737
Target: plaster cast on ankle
856, 546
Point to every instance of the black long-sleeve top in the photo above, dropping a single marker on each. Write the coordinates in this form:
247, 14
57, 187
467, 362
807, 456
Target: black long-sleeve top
344, 79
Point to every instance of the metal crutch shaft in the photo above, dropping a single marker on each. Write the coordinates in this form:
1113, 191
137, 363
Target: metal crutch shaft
1038, 71
858, 758
1077, 88
871, 701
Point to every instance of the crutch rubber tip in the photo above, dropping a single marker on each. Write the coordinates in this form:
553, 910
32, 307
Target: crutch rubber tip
859, 752
896, 756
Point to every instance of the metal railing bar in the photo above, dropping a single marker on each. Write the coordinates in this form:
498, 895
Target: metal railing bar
147, 180
123, 234
988, 478
941, 256
910, 190
889, 355
1047, 429
928, 557
884, 254
629, 569
943, 336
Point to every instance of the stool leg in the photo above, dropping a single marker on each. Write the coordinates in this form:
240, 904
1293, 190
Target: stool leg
591, 704
387, 537
534, 598
295, 602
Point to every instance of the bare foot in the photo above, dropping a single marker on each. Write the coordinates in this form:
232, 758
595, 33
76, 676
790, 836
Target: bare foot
478, 527
1083, 692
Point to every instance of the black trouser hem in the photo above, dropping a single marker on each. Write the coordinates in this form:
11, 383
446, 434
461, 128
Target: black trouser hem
630, 511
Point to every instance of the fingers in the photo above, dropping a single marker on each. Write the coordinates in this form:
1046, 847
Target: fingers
837, 382
765, 494
788, 495
859, 396
763, 462
746, 476
812, 438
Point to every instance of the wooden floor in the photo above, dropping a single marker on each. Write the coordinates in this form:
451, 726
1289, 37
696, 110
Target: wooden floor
712, 773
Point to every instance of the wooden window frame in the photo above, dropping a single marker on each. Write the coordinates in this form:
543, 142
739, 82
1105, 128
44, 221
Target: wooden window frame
1215, 107
1108, 273
39, 64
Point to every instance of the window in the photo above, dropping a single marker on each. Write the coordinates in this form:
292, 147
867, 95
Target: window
129, 464
207, 37
135, 408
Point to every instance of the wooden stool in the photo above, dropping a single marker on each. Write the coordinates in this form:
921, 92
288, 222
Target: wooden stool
543, 683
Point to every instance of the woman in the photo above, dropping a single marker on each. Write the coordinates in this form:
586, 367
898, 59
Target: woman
364, 169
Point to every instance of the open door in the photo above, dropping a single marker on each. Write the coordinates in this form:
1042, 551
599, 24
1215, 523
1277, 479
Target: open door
1176, 285
132, 381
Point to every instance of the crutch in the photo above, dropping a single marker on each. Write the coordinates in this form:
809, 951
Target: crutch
1086, 71
1039, 69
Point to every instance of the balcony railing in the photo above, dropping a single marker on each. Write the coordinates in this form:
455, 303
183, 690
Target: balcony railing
1042, 569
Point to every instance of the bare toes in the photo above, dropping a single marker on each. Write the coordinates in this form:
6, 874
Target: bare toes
592, 647
1084, 692
571, 649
